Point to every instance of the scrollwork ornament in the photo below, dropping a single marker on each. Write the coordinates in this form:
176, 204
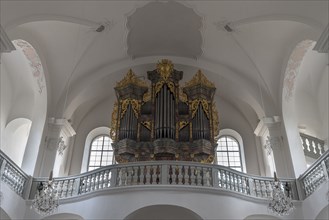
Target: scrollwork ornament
205, 107
165, 68
147, 124
147, 96
215, 120
182, 124
131, 78
114, 124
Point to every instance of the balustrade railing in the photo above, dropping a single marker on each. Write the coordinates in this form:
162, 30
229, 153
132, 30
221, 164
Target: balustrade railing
166, 173
169, 173
12, 175
315, 175
312, 146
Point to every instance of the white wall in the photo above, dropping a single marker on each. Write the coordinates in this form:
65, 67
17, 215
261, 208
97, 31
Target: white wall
208, 204
231, 118
99, 116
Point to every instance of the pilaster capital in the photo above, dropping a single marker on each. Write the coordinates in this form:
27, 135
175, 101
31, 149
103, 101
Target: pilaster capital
55, 126
268, 124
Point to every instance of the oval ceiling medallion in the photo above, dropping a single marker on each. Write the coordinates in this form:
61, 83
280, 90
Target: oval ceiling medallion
164, 28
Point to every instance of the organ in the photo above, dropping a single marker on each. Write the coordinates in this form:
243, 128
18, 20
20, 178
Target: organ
161, 120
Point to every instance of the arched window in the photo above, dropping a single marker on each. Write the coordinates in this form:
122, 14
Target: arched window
101, 152
229, 153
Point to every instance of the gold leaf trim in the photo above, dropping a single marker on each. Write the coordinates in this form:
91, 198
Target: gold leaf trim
165, 68
135, 105
114, 121
199, 78
147, 124
131, 78
215, 120
209, 159
147, 96
195, 104
182, 124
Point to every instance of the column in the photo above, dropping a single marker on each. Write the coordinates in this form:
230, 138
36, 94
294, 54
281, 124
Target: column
270, 132
58, 136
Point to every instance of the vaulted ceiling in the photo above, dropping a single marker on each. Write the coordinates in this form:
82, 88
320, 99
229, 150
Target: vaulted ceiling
87, 46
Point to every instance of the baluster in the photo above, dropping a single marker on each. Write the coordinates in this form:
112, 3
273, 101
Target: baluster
133, 179
196, 176
208, 180
170, 174
177, 175
151, 174
139, 175
189, 174
183, 174
201, 176
144, 175
106, 182
158, 172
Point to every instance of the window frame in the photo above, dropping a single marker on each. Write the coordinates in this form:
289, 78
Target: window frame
102, 150
240, 151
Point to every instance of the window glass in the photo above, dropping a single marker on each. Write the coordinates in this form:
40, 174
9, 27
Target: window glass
101, 152
228, 153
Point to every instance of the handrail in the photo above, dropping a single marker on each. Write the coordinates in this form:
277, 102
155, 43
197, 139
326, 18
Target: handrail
315, 175
12, 174
167, 173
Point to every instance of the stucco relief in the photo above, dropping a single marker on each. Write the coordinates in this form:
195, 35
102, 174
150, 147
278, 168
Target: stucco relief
293, 66
34, 62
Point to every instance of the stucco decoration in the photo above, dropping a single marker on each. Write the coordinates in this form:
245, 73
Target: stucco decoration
293, 67
164, 28
34, 62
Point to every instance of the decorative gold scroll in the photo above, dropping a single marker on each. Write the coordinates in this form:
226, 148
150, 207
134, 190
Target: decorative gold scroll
159, 85
198, 79
114, 121
182, 96
131, 78
182, 124
209, 159
195, 104
147, 96
165, 68
215, 119
147, 124
134, 103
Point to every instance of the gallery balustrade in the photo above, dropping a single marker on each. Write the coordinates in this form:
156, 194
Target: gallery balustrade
167, 173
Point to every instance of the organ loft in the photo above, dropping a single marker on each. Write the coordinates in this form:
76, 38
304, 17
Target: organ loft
161, 120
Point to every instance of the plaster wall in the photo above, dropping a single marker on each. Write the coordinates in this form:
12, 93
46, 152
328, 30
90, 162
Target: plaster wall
99, 116
231, 118
6, 99
120, 203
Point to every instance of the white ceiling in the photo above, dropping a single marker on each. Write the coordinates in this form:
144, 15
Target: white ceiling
245, 64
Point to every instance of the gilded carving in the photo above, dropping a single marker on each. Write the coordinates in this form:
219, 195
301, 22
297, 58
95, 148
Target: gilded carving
182, 96
147, 124
165, 68
209, 159
131, 78
147, 96
205, 107
135, 105
215, 120
198, 79
182, 124
114, 122
195, 104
